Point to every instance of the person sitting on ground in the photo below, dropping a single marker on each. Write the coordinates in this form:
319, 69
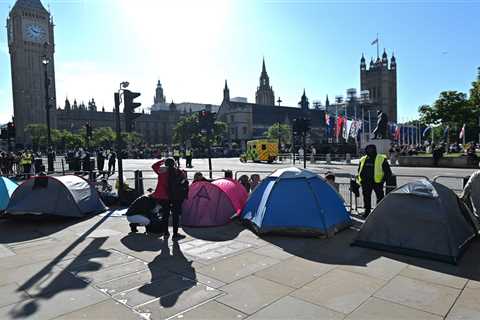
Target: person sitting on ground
143, 211
198, 177
330, 177
254, 181
244, 182
228, 174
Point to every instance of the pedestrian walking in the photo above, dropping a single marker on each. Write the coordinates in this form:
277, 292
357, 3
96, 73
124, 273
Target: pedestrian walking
188, 157
171, 191
100, 160
373, 171
176, 155
111, 162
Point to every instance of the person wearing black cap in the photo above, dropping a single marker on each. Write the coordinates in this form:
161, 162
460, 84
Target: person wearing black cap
373, 171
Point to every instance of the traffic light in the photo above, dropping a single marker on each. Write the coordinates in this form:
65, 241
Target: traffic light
11, 130
206, 120
129, 109
301, 126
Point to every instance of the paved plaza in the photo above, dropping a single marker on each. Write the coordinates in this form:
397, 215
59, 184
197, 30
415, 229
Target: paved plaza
94, 269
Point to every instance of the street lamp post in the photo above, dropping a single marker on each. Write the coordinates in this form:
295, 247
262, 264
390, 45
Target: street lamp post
118, 134
45, 62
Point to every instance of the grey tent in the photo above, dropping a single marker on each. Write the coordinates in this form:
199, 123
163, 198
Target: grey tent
420, 218
69, 196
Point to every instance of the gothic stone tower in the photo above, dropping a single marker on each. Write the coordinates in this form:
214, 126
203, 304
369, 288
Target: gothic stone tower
159, 97
264, 93
30, 40
381, 82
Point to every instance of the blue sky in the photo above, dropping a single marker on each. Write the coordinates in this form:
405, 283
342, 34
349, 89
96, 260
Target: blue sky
192, 46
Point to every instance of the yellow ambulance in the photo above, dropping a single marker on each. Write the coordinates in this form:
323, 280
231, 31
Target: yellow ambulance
261, 150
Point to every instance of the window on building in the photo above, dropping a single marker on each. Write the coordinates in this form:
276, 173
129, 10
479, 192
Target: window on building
264, 147
244, 129
232, 118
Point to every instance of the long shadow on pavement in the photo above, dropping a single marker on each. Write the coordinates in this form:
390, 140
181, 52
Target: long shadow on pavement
64, 280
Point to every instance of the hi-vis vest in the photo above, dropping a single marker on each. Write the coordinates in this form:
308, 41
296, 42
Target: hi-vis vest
176, 153
26, 159
188, 153
377, 169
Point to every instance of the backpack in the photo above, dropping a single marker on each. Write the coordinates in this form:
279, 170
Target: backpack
180, 187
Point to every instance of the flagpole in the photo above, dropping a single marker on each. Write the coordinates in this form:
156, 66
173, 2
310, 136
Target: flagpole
464, 134
378, 50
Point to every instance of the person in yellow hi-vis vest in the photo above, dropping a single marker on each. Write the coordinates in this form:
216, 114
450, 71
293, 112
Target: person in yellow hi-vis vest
373, 171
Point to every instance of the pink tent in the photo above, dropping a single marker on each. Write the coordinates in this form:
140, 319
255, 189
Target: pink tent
235, 191
207, 206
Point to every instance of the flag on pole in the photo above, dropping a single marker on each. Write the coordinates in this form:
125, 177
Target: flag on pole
425, 132
339, 126
397, 133
462, 132
374, 41
445, 133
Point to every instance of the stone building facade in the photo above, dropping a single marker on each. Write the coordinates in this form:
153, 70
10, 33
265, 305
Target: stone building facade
380, 79
246, 121
31, 43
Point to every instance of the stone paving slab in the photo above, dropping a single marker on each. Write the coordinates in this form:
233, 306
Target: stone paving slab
10, 294
114, 272
467, 306
252, 294
78, 270
177, 302
379, 267
420, 295
273, 252
131, 281
151, 290
288, 308
237, 267
5, 251
212, 310
295, 272
53, 306
339, 290
434, 277
377, 309
105, 310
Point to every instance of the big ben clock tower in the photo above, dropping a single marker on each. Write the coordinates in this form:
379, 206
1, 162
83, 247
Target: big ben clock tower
31, 45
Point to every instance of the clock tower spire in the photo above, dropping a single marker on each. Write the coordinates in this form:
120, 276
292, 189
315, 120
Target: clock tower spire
30, 42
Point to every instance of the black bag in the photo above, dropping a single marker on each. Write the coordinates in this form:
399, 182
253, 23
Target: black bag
355, 188
157, 227
180, 187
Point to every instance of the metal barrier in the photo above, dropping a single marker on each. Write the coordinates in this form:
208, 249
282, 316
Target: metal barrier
455, 183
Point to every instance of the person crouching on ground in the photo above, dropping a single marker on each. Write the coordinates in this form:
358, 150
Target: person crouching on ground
143, 212
170, 193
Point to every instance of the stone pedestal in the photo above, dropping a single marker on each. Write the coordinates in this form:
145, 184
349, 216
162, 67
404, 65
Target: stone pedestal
383, 145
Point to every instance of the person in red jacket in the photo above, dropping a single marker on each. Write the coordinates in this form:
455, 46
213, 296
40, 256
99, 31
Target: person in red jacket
169, 193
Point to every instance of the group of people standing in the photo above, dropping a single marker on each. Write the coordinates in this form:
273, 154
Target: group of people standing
155, 209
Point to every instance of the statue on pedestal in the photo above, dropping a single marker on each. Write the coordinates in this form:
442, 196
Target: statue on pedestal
381, 131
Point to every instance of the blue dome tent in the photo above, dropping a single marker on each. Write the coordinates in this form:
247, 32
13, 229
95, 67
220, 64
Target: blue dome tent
7, 187
298, 202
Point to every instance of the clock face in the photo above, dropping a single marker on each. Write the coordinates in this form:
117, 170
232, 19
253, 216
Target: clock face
34, 32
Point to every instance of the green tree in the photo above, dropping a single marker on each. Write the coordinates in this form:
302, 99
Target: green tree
188, 129
277, 130
475, 93
37, 134
131, 138
103, 137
